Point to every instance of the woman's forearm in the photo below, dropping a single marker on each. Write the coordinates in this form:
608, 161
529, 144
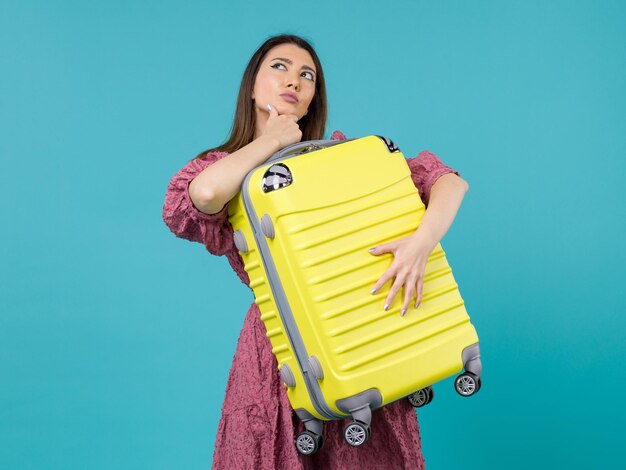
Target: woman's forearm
218, 183
446, 196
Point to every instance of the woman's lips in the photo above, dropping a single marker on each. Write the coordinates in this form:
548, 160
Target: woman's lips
289, 97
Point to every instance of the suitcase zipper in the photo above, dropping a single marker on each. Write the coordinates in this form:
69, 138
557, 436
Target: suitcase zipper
310, 148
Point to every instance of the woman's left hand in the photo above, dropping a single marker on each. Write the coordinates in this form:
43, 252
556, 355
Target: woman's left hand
410, 254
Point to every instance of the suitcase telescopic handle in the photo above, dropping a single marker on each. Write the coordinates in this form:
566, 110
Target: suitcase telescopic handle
303, 147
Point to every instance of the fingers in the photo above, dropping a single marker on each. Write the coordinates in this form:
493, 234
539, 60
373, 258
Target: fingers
420, 287
389, 274
272, 110
283, 127
409, 290
395, 288
274, 113
408, 266
413, 287
383, 248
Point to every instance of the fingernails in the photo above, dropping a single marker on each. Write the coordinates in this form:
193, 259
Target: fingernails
417, 304
403, 311
386, 307
372, 250
269, 107
373, 291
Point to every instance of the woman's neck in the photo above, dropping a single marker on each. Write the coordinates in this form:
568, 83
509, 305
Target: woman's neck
261, 121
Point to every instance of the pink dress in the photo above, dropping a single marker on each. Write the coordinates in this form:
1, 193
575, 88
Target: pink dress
258, 427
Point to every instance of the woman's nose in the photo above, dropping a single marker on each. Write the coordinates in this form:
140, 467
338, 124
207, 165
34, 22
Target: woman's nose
294, 82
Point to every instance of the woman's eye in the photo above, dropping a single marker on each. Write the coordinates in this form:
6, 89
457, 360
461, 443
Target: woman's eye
308, 75
275, 66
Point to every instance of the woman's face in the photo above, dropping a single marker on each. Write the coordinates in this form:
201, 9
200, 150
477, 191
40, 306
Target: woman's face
286, 80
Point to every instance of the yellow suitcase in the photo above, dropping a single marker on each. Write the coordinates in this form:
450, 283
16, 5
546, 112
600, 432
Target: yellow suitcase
303, 222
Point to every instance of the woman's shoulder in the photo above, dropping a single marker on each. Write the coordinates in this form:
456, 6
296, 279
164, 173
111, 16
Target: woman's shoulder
338, 135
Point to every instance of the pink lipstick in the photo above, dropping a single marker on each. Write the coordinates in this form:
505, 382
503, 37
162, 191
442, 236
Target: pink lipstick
290, 97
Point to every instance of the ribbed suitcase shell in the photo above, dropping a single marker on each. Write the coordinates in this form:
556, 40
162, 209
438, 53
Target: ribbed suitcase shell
344, 200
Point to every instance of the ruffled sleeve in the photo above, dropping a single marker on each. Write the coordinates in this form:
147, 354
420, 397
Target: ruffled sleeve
185, 221
338, 135
426, 168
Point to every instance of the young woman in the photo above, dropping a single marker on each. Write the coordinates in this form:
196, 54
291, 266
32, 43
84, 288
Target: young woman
282, 100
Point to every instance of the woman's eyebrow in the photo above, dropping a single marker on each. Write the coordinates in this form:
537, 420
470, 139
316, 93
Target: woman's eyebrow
290, 62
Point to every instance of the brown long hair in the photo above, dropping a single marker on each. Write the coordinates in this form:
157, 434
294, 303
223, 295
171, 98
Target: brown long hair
312, 124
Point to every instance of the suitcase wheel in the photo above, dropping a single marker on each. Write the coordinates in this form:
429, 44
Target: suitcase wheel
240, 241
357, 433
267, 226
308, 443
421, 397
467, 384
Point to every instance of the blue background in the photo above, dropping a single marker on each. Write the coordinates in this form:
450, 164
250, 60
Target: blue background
116, 338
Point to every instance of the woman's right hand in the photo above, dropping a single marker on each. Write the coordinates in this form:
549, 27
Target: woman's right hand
219, 182
282, 128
